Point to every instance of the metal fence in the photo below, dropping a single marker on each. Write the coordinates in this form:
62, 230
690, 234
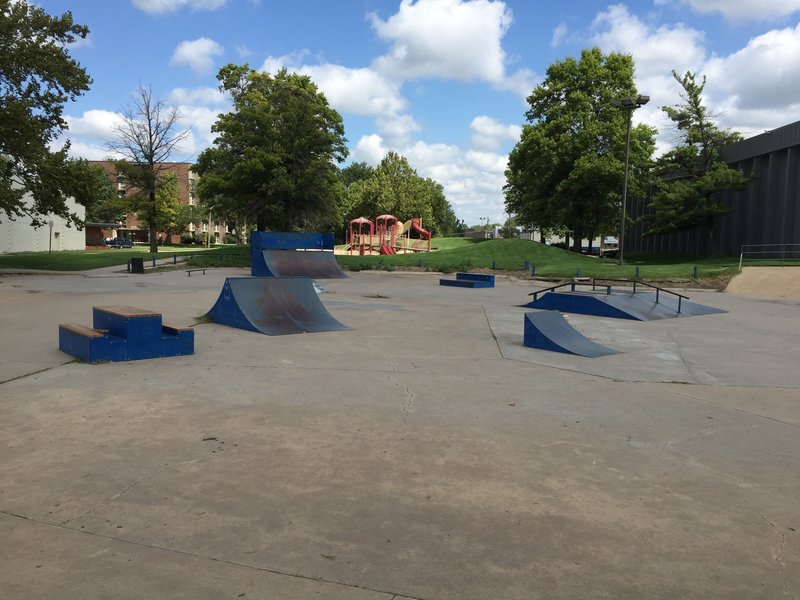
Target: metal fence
780, 252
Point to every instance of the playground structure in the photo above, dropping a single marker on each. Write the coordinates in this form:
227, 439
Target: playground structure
387, 235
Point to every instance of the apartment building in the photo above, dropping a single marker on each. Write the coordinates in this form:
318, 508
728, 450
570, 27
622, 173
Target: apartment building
187, 180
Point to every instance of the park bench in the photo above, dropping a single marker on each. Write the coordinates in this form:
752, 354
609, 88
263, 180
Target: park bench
190, 271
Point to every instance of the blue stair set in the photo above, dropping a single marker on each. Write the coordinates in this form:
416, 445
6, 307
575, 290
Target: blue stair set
470, 280
121, 333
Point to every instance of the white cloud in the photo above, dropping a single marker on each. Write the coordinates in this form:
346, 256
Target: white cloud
201, 95
96, 123
655, 50
369, 149
360, 91
746, 10
451, 39
772, 60
197, 54
560, 33
489, 134
165, 6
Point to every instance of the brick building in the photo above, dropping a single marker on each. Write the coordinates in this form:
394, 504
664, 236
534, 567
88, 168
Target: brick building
186, 179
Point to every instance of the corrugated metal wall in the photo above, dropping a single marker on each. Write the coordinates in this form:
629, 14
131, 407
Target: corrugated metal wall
768, 212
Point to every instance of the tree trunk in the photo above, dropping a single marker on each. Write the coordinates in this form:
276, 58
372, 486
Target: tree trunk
152, 228
576, 243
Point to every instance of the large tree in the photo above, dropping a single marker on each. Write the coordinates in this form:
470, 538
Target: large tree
692, 174
37, 77
566, 171
146, 139
273, 160
395, 188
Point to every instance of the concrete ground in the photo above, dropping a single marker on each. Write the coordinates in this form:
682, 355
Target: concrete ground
423, 454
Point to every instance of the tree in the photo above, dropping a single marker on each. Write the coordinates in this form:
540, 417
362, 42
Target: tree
37, 77
395, 188
146, 138
356, 171
692, 174
272, 162
566, 171
92, 188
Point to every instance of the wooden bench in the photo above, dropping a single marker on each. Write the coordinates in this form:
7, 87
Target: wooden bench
190, 271
83, 330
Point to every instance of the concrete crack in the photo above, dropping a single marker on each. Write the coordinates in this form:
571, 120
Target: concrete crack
130, 487
392, 595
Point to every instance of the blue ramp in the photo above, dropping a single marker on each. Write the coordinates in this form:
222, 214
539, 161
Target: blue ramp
548, 330
272, 305
285, 254
641, 306
297, 263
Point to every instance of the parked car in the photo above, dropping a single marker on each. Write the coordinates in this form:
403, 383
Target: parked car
119, 243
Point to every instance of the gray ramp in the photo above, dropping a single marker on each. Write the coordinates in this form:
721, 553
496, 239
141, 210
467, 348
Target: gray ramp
548, 330
302, 263
272, 305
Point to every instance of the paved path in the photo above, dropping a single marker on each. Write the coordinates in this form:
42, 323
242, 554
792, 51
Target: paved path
422, 454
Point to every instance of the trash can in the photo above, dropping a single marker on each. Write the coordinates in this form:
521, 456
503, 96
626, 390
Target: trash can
137, 265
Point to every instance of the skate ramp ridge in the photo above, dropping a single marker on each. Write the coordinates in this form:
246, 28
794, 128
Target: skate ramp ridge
548, 330
298, 263
286, 254
641, 306
272, 305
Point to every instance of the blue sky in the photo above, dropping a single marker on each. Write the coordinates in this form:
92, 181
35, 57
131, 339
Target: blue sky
442, 82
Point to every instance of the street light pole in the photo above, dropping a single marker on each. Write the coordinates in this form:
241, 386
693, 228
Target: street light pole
628, 104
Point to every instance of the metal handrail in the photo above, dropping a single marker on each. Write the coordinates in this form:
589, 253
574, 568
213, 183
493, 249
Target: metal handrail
594, 281
781, 249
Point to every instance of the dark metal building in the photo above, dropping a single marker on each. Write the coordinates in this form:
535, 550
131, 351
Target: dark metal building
768, 212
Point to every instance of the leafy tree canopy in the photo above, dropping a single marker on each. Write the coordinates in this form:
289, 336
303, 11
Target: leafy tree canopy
692, 174
395, 188
37, 77
566, 171
272, 162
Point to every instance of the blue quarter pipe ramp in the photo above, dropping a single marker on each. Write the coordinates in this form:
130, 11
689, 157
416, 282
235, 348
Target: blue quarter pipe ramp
272, 305
641, 306
548, 330
281, 254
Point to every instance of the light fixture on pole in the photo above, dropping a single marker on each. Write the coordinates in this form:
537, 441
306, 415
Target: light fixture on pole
628, 104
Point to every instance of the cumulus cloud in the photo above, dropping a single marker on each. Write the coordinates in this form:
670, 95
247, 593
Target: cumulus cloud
95, 123
369, 149
489, 134
360, 91
745, 10
165, 6
771, 59
197, 54
655, 50
450, 39
201, 95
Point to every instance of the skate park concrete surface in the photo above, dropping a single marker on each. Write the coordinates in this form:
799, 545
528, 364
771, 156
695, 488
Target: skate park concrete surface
424, 453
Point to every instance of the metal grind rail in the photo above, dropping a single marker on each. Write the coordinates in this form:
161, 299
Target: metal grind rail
594, 284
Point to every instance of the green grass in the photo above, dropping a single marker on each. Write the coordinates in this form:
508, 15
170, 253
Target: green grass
451, 255
460, 254
84, 260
